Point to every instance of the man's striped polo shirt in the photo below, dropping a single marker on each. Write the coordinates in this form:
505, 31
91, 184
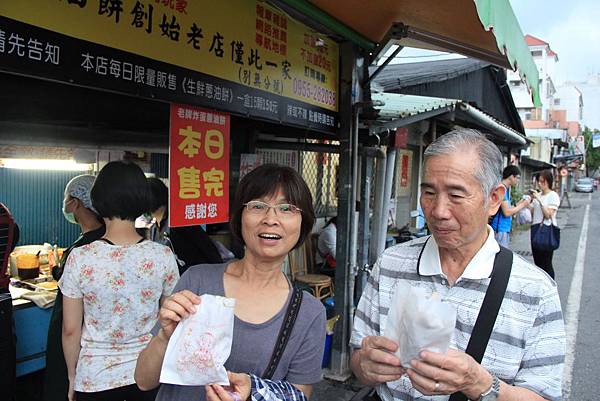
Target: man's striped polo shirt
527, 345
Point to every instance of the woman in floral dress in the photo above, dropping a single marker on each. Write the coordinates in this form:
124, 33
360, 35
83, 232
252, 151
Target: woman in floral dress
112, 291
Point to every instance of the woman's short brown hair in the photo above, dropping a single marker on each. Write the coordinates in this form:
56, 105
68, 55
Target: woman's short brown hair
265, 181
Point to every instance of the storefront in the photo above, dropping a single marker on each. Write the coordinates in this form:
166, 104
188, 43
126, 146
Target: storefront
194, 92
105, 77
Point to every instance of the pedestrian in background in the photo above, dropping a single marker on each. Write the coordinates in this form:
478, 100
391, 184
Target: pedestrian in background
502, 220
545, 204
191, 245
326, 248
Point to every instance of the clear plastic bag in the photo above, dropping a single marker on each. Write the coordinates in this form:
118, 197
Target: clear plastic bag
419, 320
200, 345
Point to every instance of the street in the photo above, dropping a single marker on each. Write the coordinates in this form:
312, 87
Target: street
578, 279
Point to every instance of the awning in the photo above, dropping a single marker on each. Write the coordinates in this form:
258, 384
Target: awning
397, 110
536, 164
482, 29
393, 106
568, 158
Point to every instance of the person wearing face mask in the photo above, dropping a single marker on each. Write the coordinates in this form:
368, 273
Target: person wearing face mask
77, 209
191, 245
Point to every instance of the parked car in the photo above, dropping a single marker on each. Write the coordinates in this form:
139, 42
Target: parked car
584, 185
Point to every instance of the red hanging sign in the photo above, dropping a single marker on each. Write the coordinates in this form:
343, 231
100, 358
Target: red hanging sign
198, 166
404, 171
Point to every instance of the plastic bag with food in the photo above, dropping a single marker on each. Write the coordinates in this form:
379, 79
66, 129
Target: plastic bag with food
524, 216
200, 345
418, 320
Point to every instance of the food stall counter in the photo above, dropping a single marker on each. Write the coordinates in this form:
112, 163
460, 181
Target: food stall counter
31, 329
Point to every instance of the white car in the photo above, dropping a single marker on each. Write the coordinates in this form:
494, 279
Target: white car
584, 185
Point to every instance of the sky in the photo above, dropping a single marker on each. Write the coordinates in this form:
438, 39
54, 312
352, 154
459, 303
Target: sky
571, 27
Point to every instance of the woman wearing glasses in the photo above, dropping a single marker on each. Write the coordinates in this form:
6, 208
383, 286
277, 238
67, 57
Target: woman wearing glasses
271, 215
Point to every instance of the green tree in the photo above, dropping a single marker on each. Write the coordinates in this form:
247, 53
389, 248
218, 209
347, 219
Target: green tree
592, 155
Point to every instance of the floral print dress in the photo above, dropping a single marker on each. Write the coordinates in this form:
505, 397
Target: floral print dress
121, 287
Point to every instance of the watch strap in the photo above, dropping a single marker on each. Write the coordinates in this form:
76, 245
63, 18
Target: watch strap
493, 391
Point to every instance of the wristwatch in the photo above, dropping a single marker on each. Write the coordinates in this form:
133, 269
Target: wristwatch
491, 394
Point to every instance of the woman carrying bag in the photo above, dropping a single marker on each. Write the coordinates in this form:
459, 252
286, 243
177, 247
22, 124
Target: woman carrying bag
545, 234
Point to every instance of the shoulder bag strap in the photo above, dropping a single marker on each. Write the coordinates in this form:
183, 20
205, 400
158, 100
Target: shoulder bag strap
284, 333
489, 310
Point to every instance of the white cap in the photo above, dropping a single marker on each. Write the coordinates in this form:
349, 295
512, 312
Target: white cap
79, 187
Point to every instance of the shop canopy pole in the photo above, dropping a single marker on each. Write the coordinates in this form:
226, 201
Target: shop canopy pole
348, 137
378, 205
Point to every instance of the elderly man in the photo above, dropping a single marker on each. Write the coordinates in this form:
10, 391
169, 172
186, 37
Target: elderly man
461, 188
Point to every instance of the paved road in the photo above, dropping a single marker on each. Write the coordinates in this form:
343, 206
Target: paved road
577, 268
578, 279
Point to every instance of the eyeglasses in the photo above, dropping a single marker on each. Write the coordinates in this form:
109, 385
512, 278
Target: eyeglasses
259, 208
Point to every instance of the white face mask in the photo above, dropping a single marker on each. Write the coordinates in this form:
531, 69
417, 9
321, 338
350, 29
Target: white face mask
70, 216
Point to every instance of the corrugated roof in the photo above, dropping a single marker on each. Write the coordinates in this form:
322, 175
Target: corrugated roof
394, 106
397, 76
401, 106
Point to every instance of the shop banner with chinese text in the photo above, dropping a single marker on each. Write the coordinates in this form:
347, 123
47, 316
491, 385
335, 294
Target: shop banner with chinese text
198, 166
240, 56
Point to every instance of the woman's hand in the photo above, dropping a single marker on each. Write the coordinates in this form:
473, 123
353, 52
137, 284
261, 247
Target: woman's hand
238, 390
523, 203
175, 308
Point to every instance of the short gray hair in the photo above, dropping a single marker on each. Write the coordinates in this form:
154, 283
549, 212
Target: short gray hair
489, 173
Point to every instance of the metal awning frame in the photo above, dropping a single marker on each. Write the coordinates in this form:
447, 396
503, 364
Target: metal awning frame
454, 46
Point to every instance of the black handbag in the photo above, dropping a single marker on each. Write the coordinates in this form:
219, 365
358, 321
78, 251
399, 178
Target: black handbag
544, 237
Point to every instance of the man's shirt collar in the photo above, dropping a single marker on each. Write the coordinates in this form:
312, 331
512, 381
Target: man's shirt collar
480, 266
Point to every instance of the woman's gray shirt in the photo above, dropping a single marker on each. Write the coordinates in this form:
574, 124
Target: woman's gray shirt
253, 344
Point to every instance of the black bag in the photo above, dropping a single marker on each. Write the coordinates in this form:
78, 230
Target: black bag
545, 238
